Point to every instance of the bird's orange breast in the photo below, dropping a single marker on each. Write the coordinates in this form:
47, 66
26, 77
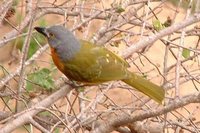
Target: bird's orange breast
56, 60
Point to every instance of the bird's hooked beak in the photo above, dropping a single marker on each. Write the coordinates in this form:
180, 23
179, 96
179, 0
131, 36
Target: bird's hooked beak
42, 30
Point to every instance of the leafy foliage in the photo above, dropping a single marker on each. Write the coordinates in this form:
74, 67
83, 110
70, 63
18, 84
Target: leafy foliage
119, 9
186, 53
33, 44
42, 78
158, 25
81, 89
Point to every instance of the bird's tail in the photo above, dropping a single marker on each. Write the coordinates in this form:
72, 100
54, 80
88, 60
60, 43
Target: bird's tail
150, 89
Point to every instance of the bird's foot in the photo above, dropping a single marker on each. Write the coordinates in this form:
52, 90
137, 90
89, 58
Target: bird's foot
75, 84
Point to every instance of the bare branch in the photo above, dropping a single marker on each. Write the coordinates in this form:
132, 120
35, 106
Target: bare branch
25, 116
4, 8
124, 119
169, 30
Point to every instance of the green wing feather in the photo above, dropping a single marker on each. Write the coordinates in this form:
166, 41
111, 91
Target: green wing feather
96, 65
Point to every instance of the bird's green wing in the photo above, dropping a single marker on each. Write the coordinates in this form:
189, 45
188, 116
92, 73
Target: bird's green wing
96, 64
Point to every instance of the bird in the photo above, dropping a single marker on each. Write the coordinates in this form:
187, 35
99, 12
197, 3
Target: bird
84, 62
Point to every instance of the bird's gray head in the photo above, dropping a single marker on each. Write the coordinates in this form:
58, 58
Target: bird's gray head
62, 40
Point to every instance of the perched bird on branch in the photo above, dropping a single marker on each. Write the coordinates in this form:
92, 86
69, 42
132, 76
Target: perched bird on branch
85, 62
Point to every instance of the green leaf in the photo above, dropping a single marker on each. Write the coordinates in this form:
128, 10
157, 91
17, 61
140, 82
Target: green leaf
119, 9
87, 97
42, 22
186, 53
15, 2
45, 113
19, 17
81, 89
33, 45
32, 48
29, 86
42, 78
56, 130
158, 25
